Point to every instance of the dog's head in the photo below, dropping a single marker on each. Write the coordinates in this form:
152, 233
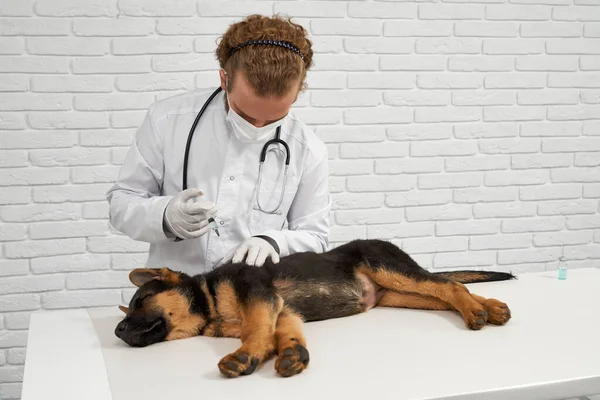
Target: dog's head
167, 305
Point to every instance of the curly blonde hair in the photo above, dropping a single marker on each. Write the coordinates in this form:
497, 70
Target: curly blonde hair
270, 70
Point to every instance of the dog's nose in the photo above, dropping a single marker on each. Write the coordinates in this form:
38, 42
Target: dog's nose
121, 326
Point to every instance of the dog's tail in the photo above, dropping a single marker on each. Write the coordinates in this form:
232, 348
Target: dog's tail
475, 276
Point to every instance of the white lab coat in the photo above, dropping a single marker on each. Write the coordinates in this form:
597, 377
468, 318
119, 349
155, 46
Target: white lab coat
226, 170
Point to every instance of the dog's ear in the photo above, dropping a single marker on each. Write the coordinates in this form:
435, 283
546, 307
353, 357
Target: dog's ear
124, 309
139, 276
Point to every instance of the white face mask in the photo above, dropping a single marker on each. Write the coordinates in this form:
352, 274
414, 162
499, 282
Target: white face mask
247, 132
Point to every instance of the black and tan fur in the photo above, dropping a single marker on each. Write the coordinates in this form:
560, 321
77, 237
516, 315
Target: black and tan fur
265, 307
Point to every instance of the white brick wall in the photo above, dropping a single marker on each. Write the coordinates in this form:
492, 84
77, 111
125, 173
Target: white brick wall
466, 132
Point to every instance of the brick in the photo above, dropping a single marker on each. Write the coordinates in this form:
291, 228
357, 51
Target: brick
311, 9
526, 225
101, 102
378, 116
41, 248
438, 213
504, 210
576, 80
350, 201
12, 46
486, 130
17, 9
513, 46
447, 114
576, 14
81, 298
13, 158
587, 159
98, 280
351, 167
570, 145
321, 45
408, 166
412, 63
326, 80
480, 64
464, 260
592, 191
155, 8
96, 210
31, 284
582, 252
443, 148
452, 228
444, 181
383, 80
193, 26
486, 29
12, 121
448, 46
379, 184
345, 62
61, 194
14, 83
16, 356
70, 263
13, 267
75, 8
11, 232
550, 129
96, 174
528, 161
345, 27
568, 207
10, 390
127, 119
68, 120
484, 98
576, 175
53, 46
34, 27
578, 222
115, 244
416, 98
517, 13
367, 45
321, 116
379, 10
589, 96
373, 150
37, 140
485, 195
151, 45
335, 134
573, 113
68, 84
417, 28
591, 128
113, 27
111, 65
129, 261
451, 11
515, 81
546, 63
399, 231
19, 302
448, 81
15, 195
573, 46
154, 82
548, 97
515, 178
499, 114
347, 233
477, 163
550, 29
18, 320
552, 192
68, 229
497, 242
69, 157
40, 212
591, 30
33, 176
589, 63
346, 98
419, 132
527, 255
36, 102
435, 245
419, 198
364, 217
562, 238
232, 8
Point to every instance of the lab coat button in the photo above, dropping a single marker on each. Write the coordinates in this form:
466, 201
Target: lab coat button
231, 178
222, 223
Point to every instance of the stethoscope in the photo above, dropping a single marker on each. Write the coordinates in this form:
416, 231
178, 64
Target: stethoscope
263, 156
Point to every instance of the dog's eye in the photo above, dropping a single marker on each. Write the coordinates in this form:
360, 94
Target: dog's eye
140, 300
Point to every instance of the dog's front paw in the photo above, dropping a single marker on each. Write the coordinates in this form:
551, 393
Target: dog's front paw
498, 312
476, 318
292, 360
236, 364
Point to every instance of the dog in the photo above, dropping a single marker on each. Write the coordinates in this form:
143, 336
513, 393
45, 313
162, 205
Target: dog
266, 306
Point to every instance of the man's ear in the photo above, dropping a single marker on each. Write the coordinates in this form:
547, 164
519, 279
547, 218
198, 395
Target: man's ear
124, 309
223, 78
139, 276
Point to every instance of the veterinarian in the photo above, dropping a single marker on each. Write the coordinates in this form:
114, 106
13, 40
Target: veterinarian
264, 62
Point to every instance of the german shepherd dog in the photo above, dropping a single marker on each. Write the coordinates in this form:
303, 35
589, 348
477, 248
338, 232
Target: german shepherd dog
266, 306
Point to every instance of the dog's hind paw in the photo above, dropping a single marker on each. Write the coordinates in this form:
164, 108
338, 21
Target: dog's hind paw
498, 312
236, 364
292, 360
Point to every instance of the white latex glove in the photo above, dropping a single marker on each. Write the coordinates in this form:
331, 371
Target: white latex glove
187, 219
255, 250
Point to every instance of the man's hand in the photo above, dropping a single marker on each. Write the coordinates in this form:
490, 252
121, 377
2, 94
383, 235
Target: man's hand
255, 250
188, 220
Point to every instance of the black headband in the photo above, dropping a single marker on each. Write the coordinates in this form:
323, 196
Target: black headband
268, 43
